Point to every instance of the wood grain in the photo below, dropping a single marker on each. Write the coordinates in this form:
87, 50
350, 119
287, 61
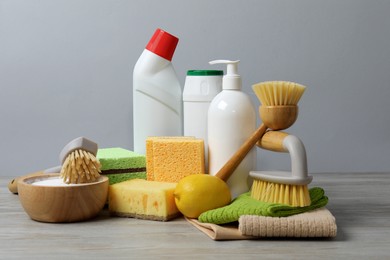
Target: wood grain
63, 203
273, 141
278, 117
359, 201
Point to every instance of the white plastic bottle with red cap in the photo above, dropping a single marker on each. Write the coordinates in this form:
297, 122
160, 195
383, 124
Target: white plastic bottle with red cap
157, 95
231, 121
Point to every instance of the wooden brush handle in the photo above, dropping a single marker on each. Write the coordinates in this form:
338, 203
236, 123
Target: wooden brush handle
273, 141
229, 167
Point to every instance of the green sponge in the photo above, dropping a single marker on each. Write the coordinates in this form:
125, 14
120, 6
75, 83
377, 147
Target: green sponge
120, 164
115, 178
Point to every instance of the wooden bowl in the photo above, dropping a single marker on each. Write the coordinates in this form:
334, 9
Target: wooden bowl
70, 203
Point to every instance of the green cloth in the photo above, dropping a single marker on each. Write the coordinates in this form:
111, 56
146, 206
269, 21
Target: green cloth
246, 205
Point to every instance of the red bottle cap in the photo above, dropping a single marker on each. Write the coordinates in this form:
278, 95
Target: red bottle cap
163, 44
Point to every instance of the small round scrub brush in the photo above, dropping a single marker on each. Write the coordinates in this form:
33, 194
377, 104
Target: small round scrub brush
79, 164
279, 101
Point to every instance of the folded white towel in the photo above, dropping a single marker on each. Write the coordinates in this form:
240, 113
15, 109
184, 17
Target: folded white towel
316, 223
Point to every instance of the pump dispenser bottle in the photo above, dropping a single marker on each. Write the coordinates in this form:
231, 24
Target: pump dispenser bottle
157, 95
231, 121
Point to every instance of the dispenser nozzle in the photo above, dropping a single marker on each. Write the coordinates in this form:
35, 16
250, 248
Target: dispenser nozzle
231, 66
232, 79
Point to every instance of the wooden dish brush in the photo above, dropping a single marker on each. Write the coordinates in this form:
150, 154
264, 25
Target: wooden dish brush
278, 111
281, 187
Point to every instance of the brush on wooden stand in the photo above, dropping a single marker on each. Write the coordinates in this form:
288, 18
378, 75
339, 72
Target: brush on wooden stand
79, 164
281, 187
278, 111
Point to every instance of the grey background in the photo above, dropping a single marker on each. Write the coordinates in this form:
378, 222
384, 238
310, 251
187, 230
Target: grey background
66, 71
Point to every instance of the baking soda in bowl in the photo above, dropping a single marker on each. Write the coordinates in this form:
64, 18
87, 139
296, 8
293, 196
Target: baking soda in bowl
55, 182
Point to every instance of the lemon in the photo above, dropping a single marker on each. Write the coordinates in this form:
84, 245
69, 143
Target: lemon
198, 193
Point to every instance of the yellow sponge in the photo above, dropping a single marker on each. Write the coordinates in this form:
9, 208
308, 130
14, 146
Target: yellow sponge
143, 199
169, 159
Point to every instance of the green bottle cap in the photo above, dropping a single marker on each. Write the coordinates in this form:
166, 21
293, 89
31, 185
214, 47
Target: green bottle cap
205, 73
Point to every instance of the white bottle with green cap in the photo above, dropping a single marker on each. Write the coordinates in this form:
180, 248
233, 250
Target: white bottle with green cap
200, 87
231, 121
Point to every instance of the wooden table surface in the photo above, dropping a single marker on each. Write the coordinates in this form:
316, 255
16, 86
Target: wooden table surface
359, 201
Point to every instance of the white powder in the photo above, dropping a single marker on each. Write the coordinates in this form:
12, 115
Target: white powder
52, 182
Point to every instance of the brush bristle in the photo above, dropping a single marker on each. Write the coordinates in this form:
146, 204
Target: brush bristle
292, 195
278, 93
80, 167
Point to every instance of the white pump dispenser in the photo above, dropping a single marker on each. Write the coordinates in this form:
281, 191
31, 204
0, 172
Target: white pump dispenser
231, 121
231, 80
